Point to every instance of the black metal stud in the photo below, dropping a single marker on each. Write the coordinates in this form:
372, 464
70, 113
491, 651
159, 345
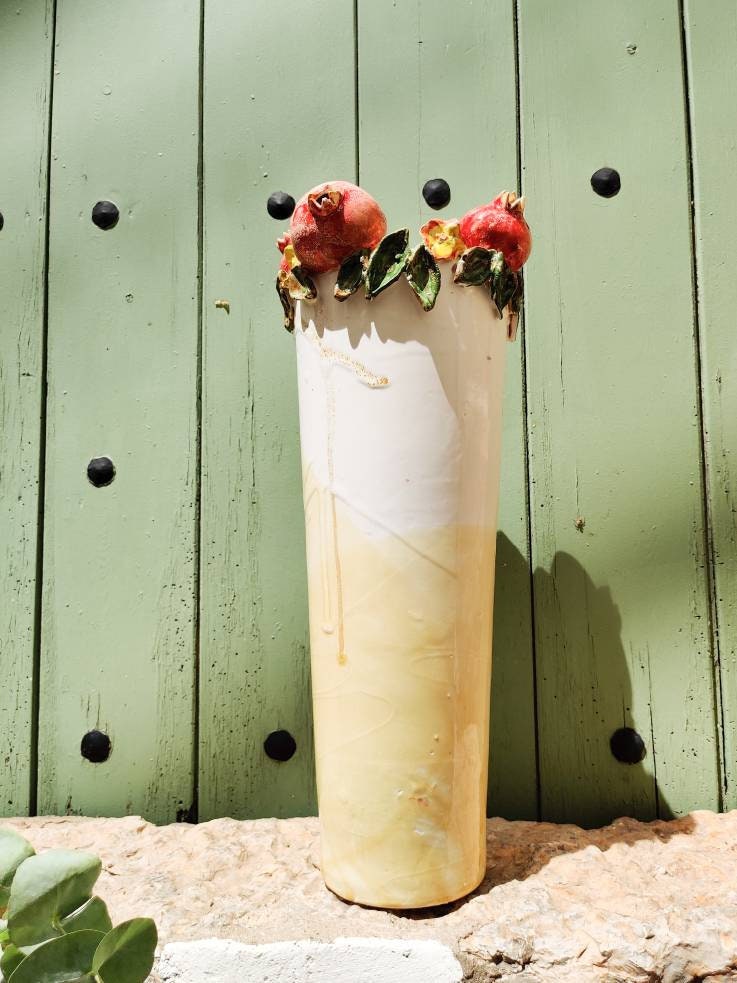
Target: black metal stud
606, 182
280, 205
96, 747
627, 746
105, 215
280, 745
100, 471
436, 192
2, 221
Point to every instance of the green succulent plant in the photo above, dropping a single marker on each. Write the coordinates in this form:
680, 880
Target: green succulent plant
53, 929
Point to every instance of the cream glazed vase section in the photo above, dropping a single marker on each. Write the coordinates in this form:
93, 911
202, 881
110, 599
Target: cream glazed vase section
400, 421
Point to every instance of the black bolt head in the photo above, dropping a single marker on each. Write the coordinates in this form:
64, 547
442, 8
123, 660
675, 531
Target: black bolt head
105, 215
436, 192
606, 182
100, 471
96, 747
280, 205
627, 746
280, 745
2, 221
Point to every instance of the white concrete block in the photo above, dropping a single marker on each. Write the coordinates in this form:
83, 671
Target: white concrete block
341, 961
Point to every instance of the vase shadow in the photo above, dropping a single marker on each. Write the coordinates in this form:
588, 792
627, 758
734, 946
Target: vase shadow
584, 696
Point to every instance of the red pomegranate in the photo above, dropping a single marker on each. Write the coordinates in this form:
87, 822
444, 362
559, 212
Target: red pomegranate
333, 221
500, 225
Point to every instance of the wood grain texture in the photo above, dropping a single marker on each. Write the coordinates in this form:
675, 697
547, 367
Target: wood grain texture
278, 110
711, 41
119, 563
437, 98
621, 604
25, 75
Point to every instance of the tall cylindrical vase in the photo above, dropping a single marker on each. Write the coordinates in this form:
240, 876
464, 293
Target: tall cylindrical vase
400, 422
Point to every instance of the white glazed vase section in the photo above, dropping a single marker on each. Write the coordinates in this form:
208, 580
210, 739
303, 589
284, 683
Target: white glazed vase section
400, 423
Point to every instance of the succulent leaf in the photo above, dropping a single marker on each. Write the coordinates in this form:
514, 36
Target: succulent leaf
474, 266
13, 851
351, 273
126, 954
92, 915
45, 890
423, 275
68, 957
387, 262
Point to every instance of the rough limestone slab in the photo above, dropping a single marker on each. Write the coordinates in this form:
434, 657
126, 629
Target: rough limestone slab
630, 903
357, 960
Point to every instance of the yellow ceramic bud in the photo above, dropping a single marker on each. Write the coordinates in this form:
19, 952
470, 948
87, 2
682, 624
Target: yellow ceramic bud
290, 257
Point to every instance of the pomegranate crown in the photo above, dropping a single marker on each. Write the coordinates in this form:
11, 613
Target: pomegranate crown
511, 202
324, 202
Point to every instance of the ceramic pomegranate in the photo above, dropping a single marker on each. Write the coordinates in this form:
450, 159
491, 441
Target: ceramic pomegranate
333, 221
500, 225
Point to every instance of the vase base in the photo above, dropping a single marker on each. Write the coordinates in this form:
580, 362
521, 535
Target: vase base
437, 902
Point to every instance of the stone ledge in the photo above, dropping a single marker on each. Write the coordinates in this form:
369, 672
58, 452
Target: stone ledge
354, 960
629, 903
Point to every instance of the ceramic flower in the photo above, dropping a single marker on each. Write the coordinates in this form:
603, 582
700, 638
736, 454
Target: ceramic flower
443, 238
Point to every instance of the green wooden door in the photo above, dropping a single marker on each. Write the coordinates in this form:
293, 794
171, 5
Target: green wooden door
712, 88
167, 610
119, 563
620, 583
25, 55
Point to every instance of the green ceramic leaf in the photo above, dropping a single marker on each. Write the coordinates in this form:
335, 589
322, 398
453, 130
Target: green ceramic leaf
13, 851
503, 284
351, 274
506, 292
497, 263
301, 285
387, 262
515, 301
473, 267
286, 302
92, 915
126, 954
423, 275
64, 960
47, 889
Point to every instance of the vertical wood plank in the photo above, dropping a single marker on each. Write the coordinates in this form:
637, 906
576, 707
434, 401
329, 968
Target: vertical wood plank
25, 74
278, 111
621, 603
437, 98
711, 36
119, 563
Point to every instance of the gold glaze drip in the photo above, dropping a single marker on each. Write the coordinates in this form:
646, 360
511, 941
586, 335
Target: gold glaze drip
362, 372
342, 658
